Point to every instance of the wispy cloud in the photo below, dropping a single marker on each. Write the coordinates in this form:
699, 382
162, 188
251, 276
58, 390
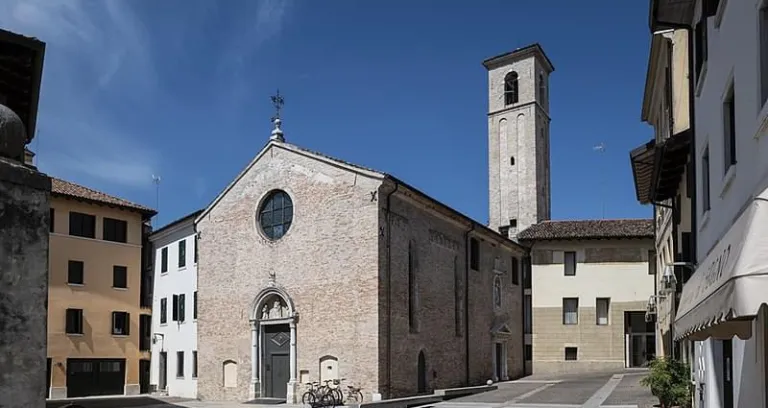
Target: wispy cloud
95, 50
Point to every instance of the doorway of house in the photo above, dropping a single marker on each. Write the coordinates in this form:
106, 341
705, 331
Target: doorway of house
276, 357
162, 377
641, 339
144, 376
499, 361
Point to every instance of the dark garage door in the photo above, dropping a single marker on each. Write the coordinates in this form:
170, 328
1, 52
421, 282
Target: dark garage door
86, 377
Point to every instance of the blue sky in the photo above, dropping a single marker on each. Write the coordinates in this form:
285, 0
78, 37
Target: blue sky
180, 89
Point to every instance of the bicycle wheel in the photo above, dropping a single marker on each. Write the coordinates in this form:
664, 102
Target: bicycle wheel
309, 398
338, 396
358, 396
327, 399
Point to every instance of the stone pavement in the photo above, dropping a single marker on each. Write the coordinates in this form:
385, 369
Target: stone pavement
598, 390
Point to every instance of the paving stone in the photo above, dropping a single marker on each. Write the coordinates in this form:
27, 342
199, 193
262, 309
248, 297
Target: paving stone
505, 392
629, 391
576, 391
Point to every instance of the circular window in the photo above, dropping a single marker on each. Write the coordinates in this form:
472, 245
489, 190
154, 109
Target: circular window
276, 214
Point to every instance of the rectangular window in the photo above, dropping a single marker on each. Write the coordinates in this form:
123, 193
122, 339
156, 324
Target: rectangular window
74, 323
474, 254
121, 322
651, 262
182, 304
180, 364
763, 54
570, 310
51, 218
164, 260
729, 130
195, 252
82, 225
119, 277
194, 306
527, 314
182, 253
115, 230
571, 353
163, 310
194, 364
75, 272
145, 330
705, 204
569, 258
528, 352
175, 306
603, 307
527, 281
701, 46
515, 271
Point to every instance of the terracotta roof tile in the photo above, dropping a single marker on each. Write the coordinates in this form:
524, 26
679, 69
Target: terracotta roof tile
68, 189
588, 229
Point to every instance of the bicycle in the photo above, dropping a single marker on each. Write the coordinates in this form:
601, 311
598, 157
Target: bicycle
310, 396
355, 393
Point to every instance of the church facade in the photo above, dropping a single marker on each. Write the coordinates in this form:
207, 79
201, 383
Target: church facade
312, 268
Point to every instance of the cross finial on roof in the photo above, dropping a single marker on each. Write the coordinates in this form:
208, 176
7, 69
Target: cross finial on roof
277, 102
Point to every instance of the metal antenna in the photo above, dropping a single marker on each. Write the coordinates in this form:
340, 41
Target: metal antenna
600, 148
156, 180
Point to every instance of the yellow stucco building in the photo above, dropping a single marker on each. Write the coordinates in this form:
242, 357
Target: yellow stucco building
99, 299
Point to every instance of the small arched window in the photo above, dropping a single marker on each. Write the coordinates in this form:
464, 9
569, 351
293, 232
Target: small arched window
542, 89
510, 88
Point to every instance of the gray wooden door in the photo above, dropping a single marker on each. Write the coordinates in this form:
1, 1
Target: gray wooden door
277, 358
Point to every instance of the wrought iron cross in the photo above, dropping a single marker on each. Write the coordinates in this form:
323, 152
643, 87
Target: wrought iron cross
277, 102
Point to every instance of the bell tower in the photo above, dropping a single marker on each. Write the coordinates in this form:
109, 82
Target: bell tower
518, 139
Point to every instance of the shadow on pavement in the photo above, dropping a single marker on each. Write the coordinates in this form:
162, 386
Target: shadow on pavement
115, 402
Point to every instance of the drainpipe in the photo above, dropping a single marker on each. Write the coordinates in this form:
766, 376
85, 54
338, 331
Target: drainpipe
467, 253
389, 292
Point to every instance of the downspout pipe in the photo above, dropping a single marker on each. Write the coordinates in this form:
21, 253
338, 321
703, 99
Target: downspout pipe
389, 290
467, 254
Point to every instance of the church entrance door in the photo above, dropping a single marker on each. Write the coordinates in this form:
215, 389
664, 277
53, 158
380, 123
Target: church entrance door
276, 360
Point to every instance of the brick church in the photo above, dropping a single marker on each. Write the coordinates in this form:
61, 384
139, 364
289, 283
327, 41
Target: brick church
313, 268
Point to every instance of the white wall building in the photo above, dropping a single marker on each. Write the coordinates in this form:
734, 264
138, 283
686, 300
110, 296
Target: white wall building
721, 312
591, 284
174, 306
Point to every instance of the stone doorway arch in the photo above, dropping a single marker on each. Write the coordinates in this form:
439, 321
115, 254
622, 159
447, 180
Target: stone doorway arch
273, 346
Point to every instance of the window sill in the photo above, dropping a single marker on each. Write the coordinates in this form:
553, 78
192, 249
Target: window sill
182, 268
119, 288
121, 335
730, 174
702, 77
163, 273
75, 334
179, 378
77, 285
163, 324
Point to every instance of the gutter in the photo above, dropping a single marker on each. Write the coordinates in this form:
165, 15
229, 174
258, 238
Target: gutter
389, 291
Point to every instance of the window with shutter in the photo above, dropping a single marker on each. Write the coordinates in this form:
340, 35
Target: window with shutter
175, 312
182, 302
163, 310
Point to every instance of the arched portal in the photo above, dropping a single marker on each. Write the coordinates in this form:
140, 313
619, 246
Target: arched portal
273, 339
422, 373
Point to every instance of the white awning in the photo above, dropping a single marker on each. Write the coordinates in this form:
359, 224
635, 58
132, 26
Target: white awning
728, 288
